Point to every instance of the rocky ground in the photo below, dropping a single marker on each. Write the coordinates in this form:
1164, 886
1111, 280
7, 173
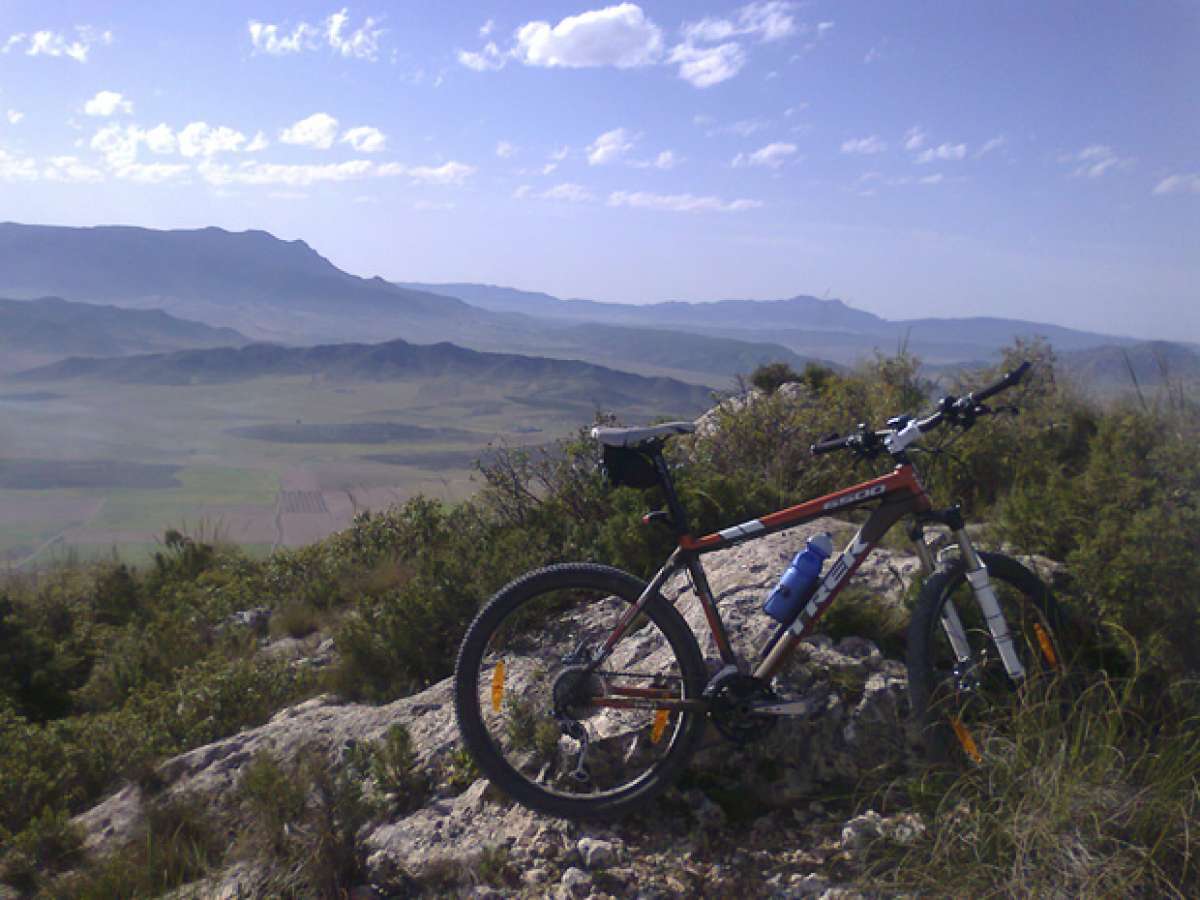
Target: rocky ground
789, 817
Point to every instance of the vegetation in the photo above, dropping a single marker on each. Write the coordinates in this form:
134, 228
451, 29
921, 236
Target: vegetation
106, 669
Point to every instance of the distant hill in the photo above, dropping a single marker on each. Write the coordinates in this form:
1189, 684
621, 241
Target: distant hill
809, 326
252, 281
536, 380
51, 326
1153, 363
285, 292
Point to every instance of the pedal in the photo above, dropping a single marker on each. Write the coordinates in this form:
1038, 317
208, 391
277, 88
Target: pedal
785, 708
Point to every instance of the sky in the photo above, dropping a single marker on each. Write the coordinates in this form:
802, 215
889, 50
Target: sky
1028, 160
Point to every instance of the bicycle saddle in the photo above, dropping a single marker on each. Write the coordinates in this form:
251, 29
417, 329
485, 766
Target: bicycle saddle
632, 437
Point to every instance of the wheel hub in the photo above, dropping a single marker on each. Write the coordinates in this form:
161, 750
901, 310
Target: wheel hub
573, 688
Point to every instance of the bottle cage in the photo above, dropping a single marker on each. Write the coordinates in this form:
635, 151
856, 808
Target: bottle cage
629, 467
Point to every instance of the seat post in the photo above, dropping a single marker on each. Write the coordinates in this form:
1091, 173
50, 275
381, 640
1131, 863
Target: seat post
678, 515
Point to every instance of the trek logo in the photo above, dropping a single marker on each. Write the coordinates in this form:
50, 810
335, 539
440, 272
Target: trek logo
830, 584
856, 497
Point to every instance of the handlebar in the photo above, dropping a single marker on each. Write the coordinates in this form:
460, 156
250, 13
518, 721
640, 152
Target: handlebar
961, 411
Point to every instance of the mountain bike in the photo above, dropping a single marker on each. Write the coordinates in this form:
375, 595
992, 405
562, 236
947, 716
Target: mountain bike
581, 691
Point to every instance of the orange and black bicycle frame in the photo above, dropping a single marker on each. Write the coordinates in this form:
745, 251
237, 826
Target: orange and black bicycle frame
898, 494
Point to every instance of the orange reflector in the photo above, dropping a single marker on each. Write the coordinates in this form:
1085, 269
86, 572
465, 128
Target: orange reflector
661, 717
497, 686
964, 738
1046, 645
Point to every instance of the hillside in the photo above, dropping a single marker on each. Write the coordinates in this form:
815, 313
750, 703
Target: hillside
53, 327
809, 326
1153, 363
265, 287
285, 292
537, 379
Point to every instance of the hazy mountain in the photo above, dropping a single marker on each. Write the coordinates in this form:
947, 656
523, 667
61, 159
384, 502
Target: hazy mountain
809, 326
285, 292
536, 379
250, 280
1153, 363
797, 312
61, 327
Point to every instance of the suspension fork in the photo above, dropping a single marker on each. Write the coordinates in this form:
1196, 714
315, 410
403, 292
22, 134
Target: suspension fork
989, 605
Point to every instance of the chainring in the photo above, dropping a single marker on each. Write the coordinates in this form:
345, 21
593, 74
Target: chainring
731, 697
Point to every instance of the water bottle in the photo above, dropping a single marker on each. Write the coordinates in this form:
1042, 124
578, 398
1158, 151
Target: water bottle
799, 580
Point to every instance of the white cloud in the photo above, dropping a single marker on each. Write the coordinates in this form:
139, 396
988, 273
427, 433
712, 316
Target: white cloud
365, 139
1093, 161
549, 168
152, 173
17, 168
679, 202
703, 119
768, 20
268, 38
824, 28
931, 179
505, 150
54, 43
619, 36
259, 142
14, 116
118, 145
486, 28
202, 139
160, 139
318, 130
569, 193
1184, 183
560, 154
914, 138
993, 144
947, 152
360, 43
333, 32
772, 156
454, 173
703, 67
865, 146
489, 58
609, 147
522, 192
70, 169
107, 103
666, 160
258, 173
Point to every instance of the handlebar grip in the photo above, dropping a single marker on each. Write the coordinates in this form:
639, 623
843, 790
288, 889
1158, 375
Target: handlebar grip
829, 445
1012, 378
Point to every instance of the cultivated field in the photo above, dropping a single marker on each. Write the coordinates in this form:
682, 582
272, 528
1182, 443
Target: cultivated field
92, 469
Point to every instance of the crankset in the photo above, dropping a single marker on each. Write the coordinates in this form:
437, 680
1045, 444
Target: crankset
733, 700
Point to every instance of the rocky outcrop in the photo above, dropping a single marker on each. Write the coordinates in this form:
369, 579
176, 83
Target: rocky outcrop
856, 702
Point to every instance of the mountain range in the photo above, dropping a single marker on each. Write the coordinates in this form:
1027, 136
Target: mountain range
537, 379
285, 292
36, 331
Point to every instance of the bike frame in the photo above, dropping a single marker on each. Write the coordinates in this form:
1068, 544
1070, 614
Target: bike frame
898, 493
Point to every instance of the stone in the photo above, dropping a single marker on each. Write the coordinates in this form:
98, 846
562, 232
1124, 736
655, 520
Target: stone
596, 853
577, 881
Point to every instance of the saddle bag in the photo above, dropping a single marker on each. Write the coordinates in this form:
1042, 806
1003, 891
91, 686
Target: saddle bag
629, 467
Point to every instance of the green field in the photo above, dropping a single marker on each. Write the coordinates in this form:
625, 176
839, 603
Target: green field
92, 469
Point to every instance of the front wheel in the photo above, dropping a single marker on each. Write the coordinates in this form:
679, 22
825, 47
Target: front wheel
553, 730
950, 697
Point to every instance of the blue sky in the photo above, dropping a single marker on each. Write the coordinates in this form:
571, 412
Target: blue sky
1029, 160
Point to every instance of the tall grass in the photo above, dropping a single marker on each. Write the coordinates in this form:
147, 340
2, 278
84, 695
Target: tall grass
1097, 795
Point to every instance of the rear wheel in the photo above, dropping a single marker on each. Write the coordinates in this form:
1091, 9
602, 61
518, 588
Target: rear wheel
950, 697
542, 723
